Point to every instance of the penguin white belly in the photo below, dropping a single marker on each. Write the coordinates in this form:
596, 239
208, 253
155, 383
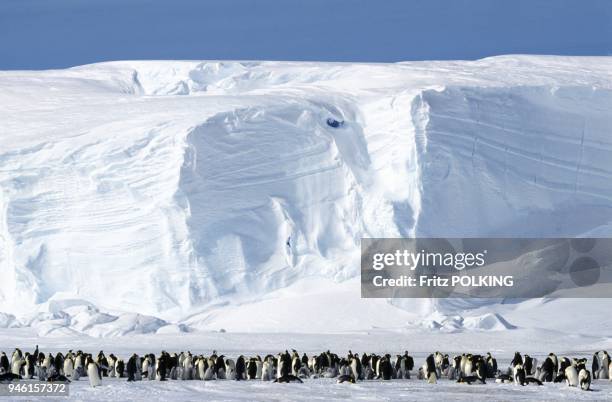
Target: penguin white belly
93, 375
602, 374
266, 372
68, 368
571, 376
468, 368
16, 367
432, 379
201, 370
145, 367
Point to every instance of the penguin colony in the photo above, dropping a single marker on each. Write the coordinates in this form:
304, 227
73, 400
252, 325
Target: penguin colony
288, 367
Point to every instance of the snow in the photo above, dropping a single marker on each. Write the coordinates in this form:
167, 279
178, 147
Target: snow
147, 196
419, 343
200, 205
328, 390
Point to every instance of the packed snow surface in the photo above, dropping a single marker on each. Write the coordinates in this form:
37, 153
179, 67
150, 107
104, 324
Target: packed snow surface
167, 197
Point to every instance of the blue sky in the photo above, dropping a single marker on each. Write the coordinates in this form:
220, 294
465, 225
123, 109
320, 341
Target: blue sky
38, 34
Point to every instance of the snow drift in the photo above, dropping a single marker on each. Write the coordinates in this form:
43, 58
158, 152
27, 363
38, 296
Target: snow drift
182, 190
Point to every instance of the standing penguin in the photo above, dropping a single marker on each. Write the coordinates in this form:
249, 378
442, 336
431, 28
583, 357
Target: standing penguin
430, 370
241, 368
93, 372
68, 366
30, 364
252, 368
571, 376
163, 363
595, 365
528, 364
584, 378
519, 374
356, 368
102, 363
4, 363
220, 367
267, 370
284, 365
131, 367
112, 360
119, 368
16, 364
58, 364
385, 369
201, 367
605, 365
78, 365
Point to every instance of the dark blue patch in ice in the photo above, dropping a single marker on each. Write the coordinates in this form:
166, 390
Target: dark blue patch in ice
334, 123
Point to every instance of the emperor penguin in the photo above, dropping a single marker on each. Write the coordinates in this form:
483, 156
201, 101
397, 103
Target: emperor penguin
251, 368
147, 365
284, 365
400, 368
16, 365
430, 370
356, 368
188, 367
555, 361
132, 367
119, 368
48, 361
202, 366
58, 363
78, 363
240, 369
220, 367
468, 368
5, 365
267, 370
259, 365
230, 369
151, 370
209, 373
595, 365
68, 366
584, 378
111, 365
571, 376
384, 369
528, 364
491, 365
17, 355
162, 366
604, 371
519, 374
93, 372
296, 363
30, 363
462, 364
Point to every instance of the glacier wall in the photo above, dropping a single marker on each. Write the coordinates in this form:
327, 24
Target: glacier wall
178, 188
518, 161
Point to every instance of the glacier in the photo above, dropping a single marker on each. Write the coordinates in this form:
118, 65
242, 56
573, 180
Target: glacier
144, 196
